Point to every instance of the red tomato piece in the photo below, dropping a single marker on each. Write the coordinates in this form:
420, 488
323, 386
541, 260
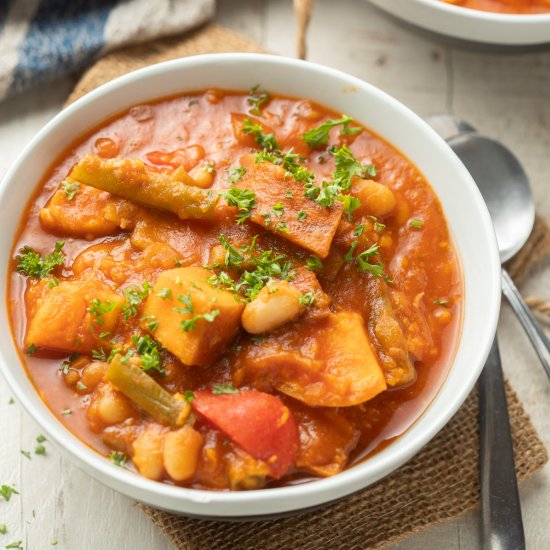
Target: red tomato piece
258, 422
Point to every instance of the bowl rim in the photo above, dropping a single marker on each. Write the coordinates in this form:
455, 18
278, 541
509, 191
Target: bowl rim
510, 18
281, 499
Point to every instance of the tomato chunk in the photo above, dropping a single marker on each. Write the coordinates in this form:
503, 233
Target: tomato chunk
257, 422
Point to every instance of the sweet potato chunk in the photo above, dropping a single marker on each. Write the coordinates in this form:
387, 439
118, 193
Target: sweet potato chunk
327, 363
89, 213
274, 187
62, 320
134, 180
195, 320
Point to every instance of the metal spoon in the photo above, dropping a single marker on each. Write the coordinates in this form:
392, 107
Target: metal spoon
500, 504
505, 188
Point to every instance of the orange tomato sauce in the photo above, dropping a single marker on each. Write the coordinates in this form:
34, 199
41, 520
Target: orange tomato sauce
524, 7
424, 289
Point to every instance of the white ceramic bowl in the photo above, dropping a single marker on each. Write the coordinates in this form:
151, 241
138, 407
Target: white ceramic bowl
472, 25
465, 210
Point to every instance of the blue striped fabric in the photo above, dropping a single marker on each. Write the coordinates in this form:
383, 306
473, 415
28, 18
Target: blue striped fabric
41, 40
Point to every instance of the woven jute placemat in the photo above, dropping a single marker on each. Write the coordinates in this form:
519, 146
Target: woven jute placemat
440, 483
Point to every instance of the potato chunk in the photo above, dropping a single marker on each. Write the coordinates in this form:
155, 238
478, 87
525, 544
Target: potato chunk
62, 320
312, 230
195, 321
89, 213
329, 362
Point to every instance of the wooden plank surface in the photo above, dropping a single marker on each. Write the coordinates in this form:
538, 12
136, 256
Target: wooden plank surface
506, 95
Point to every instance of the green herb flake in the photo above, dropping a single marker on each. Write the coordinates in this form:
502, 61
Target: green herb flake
40, 438
151, 322
98, 309
188, 396
98, 355
31, 264
149, 353
313, 263
6, 492
134, 296
379, 227
71, 188
31, 348
289, 194
236, 173
165, 293
301, 215
364, 264
66, 412
256, 99
26, 454
219, 389
279, 209
18, 544
243, 199
359, 230
40, 450
266, 141
349, 254
189, 324
441, 302
307, 299
416, 224
318, 137
118, 458
3, 528
11, 401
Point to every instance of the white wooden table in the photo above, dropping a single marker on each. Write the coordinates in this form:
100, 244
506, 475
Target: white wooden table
505, 95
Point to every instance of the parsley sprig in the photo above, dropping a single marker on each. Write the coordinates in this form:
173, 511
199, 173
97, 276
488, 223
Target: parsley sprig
257, 98
317, 137
31, 264
266, 141
134, 296
243, 199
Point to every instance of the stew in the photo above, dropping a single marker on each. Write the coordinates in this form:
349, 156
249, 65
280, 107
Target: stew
526, 7
231, 290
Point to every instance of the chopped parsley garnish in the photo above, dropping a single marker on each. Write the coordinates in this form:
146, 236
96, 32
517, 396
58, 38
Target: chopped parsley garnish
40, 450
257, 98
165, 293
349, 254
71, 188
98, 309
185, 299
189, 324
98, 354
289, 161
243, 199
26, 454
16, 544
307, 299
219, 389
359, 230
417, 224
266, 141
441, 302
134, 296
149, 353
6, 492
80, 386
313, 263
279, 209
301, 215
118, 458
3, 528
31, 264
151, 322
379, 227
289, 194
317, 137
40, 438
188, 396
66, 412
350, 204
53, 282
363, 262
264, 266
235, 174
31, 348
11, 401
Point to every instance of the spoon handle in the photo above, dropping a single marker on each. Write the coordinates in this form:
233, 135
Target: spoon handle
530, 324
500, 504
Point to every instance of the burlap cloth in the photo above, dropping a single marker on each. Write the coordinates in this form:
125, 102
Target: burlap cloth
440, 483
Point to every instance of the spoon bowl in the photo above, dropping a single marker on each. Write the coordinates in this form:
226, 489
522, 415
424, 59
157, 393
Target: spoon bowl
504, 186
